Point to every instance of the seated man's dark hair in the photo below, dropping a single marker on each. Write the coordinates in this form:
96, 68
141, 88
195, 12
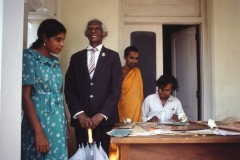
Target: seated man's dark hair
129, 49
167, 79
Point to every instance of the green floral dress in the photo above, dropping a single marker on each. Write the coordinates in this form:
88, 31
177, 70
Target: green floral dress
45, 77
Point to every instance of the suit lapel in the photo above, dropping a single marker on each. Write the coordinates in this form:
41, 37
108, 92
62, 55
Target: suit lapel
102, 57
84, 62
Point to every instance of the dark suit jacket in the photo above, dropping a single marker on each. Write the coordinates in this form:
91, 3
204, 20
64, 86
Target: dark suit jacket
99, 95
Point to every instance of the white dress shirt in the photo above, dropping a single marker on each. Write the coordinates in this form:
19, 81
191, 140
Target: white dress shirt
99, 47
152, 106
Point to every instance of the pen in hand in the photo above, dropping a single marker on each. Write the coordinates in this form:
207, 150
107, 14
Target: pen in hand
155, 119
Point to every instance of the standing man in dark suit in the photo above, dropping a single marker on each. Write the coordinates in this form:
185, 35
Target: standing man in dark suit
92, 87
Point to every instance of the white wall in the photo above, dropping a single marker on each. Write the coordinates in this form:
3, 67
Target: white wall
220, 60
1, 31
11, 44
76, 14
226, 55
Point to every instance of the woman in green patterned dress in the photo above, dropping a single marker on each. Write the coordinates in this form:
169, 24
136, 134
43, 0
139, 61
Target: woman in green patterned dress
44, 130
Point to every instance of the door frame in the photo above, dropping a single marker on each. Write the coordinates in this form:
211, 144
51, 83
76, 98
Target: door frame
205, 56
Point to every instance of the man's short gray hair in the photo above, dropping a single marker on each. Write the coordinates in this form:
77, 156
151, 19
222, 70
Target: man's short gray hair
104, 28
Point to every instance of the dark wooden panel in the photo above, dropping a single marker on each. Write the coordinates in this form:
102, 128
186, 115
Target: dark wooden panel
146, 43
185, 151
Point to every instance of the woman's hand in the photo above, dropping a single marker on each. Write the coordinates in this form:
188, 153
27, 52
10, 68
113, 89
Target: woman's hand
41, 140
68, 129
42, 144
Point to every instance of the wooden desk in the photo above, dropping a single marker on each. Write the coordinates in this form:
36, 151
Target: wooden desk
210, 147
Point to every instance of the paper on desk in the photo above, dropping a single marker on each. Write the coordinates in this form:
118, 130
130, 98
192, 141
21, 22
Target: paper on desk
229, 120
124, 125
218, 132
226, 132
233, 127
231, 124
154, 132
119, 132
137, 130
212, 125
147, 125
204, 132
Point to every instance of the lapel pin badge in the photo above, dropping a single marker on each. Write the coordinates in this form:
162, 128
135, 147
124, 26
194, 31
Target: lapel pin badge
103, 54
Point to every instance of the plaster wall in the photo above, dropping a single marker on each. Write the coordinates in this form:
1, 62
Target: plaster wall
76, 14
11, 45
226, 55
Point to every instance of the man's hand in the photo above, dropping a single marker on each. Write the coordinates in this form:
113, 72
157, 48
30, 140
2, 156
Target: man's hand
154, 119
96, 119
174, 118
84, 120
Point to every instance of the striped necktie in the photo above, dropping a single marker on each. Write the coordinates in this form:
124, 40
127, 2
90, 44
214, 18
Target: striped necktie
91, 64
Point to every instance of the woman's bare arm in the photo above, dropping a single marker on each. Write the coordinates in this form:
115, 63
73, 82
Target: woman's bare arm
41, 140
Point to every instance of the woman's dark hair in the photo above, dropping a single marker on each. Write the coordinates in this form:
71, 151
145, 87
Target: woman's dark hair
165, 80
129, 49
49, 27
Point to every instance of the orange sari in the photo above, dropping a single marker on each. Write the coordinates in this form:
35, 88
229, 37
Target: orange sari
130, 103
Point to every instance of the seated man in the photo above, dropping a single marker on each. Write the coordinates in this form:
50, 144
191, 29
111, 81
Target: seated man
162, 106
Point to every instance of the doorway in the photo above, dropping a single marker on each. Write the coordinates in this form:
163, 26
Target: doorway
190, 97
163, 61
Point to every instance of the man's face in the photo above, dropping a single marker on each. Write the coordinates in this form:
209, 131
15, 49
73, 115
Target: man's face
164, 92
94, 32
132, 59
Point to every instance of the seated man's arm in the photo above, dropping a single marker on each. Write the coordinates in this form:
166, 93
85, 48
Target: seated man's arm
179, 110
145, 110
